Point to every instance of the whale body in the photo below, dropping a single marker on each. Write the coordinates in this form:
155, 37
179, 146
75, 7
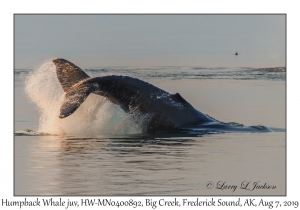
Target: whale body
136, 97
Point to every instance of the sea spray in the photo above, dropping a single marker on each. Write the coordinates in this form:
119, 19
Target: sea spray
96, 116
44, 90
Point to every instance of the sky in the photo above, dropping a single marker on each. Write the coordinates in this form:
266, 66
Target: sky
150, 40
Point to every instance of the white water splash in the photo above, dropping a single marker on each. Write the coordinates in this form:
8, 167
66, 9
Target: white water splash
96, 116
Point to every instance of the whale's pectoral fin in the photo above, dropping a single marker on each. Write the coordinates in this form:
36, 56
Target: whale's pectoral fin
74, 97
68, 73
178, 97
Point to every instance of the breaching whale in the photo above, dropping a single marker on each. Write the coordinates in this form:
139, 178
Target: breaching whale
163, 110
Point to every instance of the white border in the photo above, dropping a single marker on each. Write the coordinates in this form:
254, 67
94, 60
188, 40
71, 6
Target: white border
237, 6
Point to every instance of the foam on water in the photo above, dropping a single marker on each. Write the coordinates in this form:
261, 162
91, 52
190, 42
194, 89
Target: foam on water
29, 132
96, 116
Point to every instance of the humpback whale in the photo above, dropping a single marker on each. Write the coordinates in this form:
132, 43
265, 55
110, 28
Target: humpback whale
163, 109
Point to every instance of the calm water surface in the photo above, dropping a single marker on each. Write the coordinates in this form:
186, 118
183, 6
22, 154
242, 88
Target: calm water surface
111, 159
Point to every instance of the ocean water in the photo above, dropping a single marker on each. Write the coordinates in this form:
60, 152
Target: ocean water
99, 150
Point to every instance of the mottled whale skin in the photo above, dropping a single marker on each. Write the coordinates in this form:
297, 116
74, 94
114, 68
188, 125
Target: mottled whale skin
162, 109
